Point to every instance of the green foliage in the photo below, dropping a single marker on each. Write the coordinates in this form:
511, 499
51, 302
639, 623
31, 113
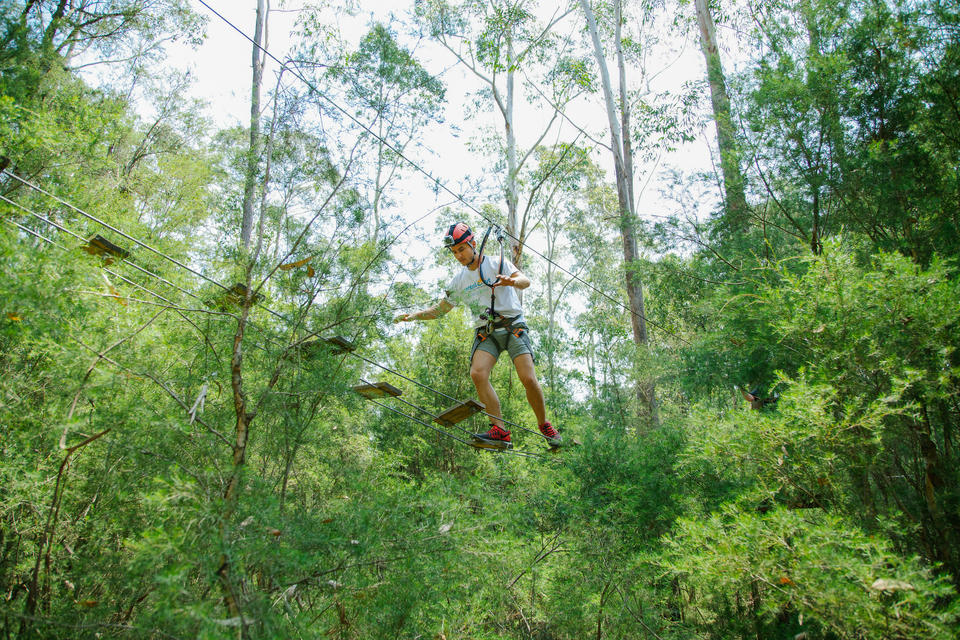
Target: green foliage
787, 571
180, 464
838, 110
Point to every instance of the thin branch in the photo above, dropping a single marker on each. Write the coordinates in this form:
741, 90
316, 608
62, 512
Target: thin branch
555, 546
76, 397
158, 382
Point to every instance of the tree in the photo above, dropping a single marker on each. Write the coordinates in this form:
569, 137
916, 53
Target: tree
258, 56
505, 42
623, 170
735, 202
395, 97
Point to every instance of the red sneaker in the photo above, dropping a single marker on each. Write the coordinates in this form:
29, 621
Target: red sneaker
496, 438
551, 434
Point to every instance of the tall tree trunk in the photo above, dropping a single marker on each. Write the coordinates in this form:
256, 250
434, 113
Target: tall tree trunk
551, 232
733, 184
504, 23
243, 416
623, 167
646, 391
513, 225
828, 123
231, 494
253, 153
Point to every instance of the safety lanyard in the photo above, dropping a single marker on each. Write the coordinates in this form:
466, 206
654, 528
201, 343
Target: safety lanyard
491, 314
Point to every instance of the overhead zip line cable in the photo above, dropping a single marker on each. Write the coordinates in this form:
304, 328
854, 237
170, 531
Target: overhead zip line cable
63, 229
56, 225
172, 305
436, 181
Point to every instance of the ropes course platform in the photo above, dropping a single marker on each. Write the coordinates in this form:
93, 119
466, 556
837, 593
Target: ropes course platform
340, 344
449, 418
372, 390
234, 297
459, 412
97, 245
308, 348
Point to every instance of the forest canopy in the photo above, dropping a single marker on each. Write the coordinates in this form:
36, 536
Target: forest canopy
754, 367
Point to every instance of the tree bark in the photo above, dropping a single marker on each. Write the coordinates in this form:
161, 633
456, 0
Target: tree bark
516, 44
733, 184
513, 226
623, 168
241, 438
253, 153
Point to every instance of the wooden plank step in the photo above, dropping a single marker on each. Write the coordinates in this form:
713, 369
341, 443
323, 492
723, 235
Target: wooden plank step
458, 412
305, 349
340, 344
310, 347
377, 390
98, 245
233, 297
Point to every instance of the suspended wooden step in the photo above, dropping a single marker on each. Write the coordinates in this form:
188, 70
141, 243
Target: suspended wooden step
304, 349
377, 390
234, 297
340, 344
98, 246
309, 347
459, 412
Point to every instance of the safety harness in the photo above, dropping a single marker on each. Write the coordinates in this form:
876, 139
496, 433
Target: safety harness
494, 319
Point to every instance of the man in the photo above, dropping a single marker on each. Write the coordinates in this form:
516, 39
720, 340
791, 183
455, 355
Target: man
504, 331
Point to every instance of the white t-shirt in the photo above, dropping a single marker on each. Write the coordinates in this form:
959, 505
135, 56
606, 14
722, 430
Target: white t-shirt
466, 287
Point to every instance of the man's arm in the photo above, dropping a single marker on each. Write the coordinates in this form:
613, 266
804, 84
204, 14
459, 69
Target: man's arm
430, 313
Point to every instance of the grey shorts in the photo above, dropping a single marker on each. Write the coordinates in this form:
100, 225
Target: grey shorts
516, 342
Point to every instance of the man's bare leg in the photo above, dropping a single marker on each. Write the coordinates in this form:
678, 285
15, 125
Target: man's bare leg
480, 369
528, 378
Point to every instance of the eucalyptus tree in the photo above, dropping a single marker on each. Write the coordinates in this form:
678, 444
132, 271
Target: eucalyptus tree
43, 46
794, 115
41, 35
394, 97
258, 57
848, 118
899, 108
622, 150
501, 42
735, 200
563, 173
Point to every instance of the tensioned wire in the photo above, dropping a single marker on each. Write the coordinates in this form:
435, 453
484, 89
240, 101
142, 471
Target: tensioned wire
129, 237
176, 262
139, 242
82, 239
137, 285
124, 260
60, 246
169, 303
437, 417
436, 181
95, 219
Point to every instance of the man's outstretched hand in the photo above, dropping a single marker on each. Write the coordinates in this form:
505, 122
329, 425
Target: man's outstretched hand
505, 281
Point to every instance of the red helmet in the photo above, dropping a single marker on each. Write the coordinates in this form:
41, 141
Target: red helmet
456, 234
